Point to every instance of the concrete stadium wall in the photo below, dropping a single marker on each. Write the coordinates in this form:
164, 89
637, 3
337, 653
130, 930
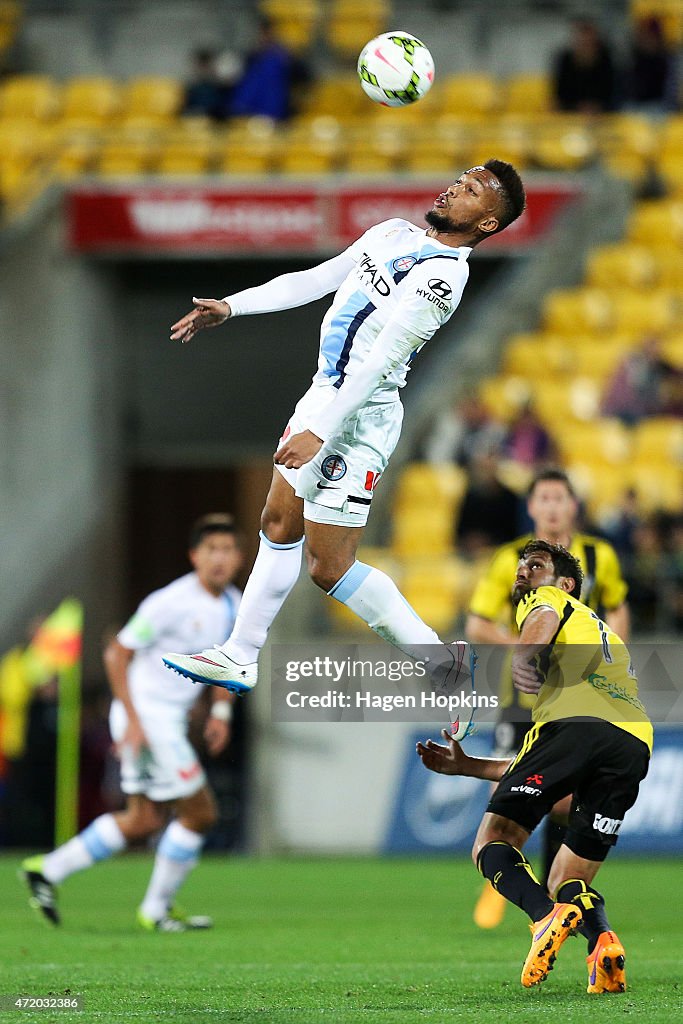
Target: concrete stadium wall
60, 460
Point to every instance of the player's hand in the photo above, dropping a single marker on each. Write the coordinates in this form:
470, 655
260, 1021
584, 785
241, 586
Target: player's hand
216, 735
297, 450
207, 313
133, 738
524, 673
448, 760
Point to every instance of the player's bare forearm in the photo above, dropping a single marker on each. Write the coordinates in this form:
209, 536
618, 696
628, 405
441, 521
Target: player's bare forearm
537, 632
479, 630
207, 313
117, 658
619, 621
297, 450
452, 760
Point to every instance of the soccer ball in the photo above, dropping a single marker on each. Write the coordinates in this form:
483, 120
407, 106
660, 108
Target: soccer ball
395, 69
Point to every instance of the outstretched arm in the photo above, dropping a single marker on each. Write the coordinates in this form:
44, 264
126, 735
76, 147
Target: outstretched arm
283, 292
452, 760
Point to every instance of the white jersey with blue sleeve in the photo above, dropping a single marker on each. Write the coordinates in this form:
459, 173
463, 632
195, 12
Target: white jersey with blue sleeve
182, 616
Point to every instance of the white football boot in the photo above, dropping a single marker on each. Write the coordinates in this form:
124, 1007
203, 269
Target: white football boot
214, 668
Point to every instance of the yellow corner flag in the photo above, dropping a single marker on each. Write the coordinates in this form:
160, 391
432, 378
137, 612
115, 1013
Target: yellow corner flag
56, 650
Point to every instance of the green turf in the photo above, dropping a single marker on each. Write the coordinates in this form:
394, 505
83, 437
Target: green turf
388, 941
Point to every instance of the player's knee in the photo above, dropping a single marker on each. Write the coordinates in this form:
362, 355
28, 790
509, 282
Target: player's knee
325, 572
278, 526
141, 823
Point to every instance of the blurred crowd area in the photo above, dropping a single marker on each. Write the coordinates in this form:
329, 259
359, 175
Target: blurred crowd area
270, 88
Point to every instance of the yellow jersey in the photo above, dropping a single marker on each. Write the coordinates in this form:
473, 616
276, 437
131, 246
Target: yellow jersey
603, 590
586, 668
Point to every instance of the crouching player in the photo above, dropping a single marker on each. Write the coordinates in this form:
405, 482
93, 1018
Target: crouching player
591, 737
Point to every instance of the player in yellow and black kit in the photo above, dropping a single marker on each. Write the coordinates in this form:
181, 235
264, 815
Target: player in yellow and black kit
553, 509
591, 737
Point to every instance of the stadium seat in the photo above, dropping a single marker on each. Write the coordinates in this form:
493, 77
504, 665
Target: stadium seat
35, 97
603, 440
185, 157
314, 147
422, 531
124, 159
158, 98
433, 587
656, 220
249, 147
658, 486
336, 96
295, 24
527, 93
427, 483
578, 309
473, 95
645, 312
504, 395
563, 144
77, 149
350, 24
574, 399
97, 98
669, 13
659, 440
624, 265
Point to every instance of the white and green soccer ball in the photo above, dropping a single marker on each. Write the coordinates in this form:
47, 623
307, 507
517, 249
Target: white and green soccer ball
395, 69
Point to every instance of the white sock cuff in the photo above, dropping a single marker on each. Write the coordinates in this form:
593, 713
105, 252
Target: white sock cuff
103, 837
180, 843
350, 582
280, 547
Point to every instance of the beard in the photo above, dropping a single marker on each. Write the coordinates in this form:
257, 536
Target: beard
443, 224
518, 592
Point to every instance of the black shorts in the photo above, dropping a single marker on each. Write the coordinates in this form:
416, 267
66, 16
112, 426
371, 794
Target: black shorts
602, 767
508, 736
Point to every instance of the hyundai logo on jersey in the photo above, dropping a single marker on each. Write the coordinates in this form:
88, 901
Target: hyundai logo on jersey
440, 288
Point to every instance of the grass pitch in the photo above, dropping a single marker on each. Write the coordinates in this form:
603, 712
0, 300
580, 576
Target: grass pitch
302, 941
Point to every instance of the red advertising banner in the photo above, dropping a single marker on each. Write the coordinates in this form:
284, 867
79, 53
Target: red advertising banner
254, 219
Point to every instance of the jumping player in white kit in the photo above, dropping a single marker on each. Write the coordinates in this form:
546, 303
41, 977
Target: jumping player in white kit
395, 286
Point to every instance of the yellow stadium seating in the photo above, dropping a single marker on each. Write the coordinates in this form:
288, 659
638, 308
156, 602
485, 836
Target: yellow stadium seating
337, 96
250, 147
645, 312
426, 483
657, 221
624, 265
433, 587
578, 309
564, 144
527, 93
124, 159
350, 24
669, 12
602, 440
659, 440
30, 96
183, 158
295, 24
159, 98
97, 98
473, 95
422, 531
505, 394
658, 487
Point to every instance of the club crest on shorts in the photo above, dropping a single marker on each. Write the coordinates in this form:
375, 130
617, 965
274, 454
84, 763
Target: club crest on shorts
403, 264
333, 467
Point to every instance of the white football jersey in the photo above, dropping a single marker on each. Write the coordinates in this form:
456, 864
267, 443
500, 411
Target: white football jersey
184, 617
395, 262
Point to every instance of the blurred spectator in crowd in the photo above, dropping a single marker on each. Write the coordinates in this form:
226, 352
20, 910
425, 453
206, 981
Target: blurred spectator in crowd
490, 510
270, 80
651, 76
644, 573
209, 91
527, 442
619, 527
644, 384
583, 73
463, 433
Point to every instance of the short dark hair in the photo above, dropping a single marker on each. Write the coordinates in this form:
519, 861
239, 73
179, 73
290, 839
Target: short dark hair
564, 563
514, 196
551, 474
214, 522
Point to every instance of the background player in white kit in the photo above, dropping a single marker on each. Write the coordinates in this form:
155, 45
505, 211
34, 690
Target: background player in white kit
148, 723
395, 286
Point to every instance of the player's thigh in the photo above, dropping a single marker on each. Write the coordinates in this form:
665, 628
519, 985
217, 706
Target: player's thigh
198, 811
607, 789
168, 767
282, 519
339, 483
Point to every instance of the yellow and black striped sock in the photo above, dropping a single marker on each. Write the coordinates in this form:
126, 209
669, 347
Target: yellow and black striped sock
511, 874
594, 916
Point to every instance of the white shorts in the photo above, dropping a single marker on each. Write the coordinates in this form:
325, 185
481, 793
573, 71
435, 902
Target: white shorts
168, 768
338, 484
